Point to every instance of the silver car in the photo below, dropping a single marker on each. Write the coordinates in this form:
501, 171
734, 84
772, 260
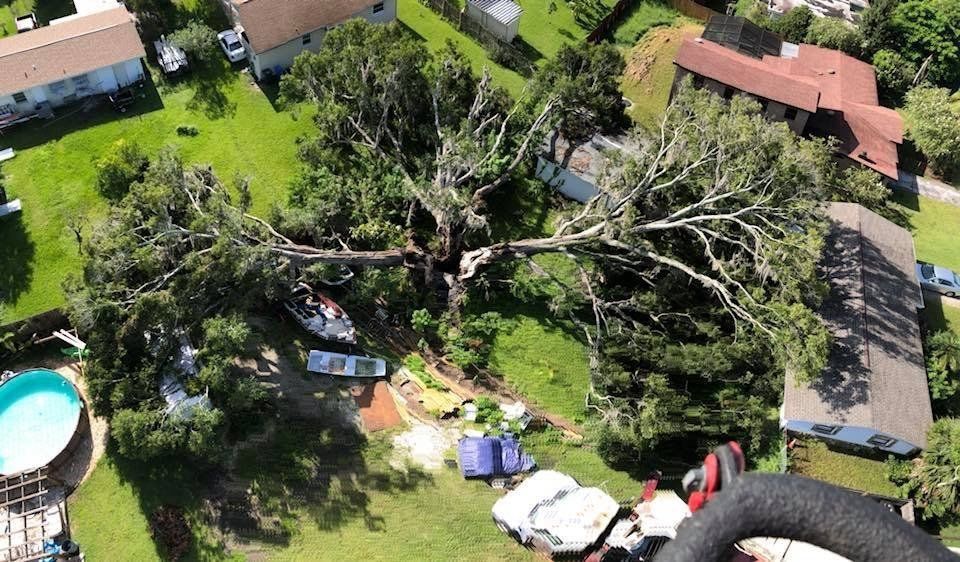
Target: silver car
938, 279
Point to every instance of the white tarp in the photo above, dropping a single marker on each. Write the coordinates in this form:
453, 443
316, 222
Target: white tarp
512, 510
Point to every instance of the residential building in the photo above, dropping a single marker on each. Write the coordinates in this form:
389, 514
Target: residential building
274, 32
849, 10
816, 91
72, 58
873, 393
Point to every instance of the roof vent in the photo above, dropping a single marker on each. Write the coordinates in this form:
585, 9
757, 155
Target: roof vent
698, 39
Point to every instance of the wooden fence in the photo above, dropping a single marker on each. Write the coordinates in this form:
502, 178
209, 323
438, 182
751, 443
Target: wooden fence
501, 51
609, 22
692, 9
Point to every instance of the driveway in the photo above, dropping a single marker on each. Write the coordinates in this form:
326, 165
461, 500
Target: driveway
928, 188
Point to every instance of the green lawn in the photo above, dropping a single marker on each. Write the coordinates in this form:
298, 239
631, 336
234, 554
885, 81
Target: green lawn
436, 31
642, 17
330, 492
542, 33
934, 225
53, 172
543, 359
649, 74
813, 459
45, 10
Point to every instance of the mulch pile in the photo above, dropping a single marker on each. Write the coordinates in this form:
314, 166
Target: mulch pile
377, 408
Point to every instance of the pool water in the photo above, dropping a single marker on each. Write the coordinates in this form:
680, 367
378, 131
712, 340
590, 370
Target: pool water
39, 412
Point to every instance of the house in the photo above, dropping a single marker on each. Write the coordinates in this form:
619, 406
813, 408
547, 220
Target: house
72, 58
499, 17
816, 91
274, 32
849, 10
575, 171
873, 393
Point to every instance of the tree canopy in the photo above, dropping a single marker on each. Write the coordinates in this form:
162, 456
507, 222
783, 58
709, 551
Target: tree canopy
696, 263
932, 479
934, 126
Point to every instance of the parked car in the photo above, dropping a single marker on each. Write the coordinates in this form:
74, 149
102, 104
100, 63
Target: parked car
938, 279
230, 43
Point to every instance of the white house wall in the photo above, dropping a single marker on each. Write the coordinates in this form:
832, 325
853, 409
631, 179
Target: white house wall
565, 182
60, 92
283, 55
853, 435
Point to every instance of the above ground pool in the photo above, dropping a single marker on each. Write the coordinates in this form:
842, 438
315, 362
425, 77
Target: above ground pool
39, 413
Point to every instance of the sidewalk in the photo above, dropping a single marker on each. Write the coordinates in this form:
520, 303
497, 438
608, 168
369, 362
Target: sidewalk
928, 188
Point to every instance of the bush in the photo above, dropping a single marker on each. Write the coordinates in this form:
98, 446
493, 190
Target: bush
934, 126
894, 76
835, 33
488, 411
122, 165
187, 131
793, 25
943, 364
169, 527
198, 40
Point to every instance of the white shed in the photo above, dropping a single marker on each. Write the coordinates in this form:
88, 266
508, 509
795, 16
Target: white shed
499, 17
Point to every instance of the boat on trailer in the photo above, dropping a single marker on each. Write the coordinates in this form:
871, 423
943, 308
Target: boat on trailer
319, 315
338, 364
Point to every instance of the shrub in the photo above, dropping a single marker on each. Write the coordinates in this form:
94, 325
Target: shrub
187, 131
835, 33
488, 411
122, 165
894, 75
198, 40
169, 527
934, 126
943, 364
793, 25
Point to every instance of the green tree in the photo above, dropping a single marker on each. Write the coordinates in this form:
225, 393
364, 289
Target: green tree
934, 126
928, 34
877, 27
122, 165
793, 25
894, 76
835, 33
148, 434
933, 482
197, 39
943, 364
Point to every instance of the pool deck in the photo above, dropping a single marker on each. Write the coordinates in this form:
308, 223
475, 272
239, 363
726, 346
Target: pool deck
92, 444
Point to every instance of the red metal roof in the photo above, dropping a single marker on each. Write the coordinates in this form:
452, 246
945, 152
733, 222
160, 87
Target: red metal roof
840, 89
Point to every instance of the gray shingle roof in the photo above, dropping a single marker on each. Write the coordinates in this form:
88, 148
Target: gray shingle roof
504, 11
875, 377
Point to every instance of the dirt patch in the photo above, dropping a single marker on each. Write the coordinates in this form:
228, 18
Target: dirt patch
93, 437
656, 44
424, 445
376, 405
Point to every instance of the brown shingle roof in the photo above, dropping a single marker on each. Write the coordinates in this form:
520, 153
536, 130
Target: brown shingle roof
271, 23
817, 79
746, 74
66, 49
875, 377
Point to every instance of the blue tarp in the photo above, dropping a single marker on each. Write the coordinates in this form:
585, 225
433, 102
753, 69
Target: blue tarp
482, 457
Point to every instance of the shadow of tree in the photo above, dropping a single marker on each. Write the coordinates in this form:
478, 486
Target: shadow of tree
318, 469
208, 81
85, 113
47, 10
16, 258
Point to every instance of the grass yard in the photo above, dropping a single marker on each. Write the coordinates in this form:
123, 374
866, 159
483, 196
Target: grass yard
642, 17
436, 32
543, 358
934, 225
813, 459
45, 10
649, 74
53, 172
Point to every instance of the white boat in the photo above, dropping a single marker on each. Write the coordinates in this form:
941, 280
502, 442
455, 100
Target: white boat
320, 316
338, 364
